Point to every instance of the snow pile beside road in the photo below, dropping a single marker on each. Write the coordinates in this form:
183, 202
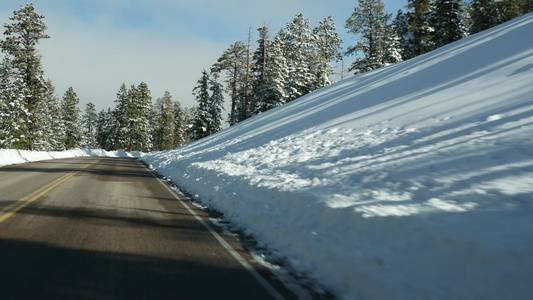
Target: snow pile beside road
410, 182
12, 157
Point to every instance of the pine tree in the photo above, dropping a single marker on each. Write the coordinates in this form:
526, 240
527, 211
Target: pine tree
201, 125
448, 22
21, 38
233, 61
71, 118
137, 116
244, 106
164, 123
121, 128
485, 14
106, 130
261, 59
90, 122
216, 104
404, 36
208, 117
329, 49
370, 21
419, 26
12, 109
52, 129
181, 124
511, 9
186, 120
300, 54
277, 74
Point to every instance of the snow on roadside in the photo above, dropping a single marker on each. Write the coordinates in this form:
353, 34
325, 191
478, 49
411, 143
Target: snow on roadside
13, 156
410, 182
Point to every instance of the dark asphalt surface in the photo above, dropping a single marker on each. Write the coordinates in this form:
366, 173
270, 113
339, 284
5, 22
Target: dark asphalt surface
105, 228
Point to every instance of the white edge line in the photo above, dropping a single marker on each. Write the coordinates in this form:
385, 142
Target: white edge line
271, 290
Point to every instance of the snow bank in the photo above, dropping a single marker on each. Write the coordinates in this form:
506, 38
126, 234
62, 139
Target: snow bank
11, 156
410, 182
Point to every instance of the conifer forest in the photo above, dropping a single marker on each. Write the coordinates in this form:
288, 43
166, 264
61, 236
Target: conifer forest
268, 69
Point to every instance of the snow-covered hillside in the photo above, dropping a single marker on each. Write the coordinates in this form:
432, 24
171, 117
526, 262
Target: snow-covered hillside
410, 182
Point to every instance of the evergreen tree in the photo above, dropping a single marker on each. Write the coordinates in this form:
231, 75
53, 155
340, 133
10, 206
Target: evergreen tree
52, 129
404, 36
164, 123
106, 129
448, 22
90, 122
208, 117
71, 119
300, 43
244, 105
419, 26
202, 119
511, 9
138, 114
484, 14
370, 21
277, 74
216, 104
261, 59
233, 61
181, 124
329, 49
120, 127
21, 38
12, 109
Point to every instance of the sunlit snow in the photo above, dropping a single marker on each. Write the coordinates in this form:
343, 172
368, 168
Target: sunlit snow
410, 182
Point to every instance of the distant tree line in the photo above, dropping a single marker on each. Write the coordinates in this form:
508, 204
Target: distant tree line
33, 117
296, 61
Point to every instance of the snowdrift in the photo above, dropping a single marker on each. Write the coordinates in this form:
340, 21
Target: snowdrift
410, 182
12, 156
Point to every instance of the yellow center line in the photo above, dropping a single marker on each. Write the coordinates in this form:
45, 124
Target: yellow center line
10, 210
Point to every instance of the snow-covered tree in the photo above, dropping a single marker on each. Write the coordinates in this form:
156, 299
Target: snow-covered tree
216, 104
21, 38
13, 114
208, 117
404, 36
328, 51
202, 119
121, 128
182, 118
138, 114
51, 125
233, 61
90, 122
272, 94
71, 118
106, 130
300, 43
260, 64
164, 123
377, 42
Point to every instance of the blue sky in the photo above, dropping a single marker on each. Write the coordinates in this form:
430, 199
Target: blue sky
96, 45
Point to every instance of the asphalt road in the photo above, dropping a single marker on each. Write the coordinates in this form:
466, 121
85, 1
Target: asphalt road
106, 228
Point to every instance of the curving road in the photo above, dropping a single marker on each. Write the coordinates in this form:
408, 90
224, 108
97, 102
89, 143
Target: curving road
106, 228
